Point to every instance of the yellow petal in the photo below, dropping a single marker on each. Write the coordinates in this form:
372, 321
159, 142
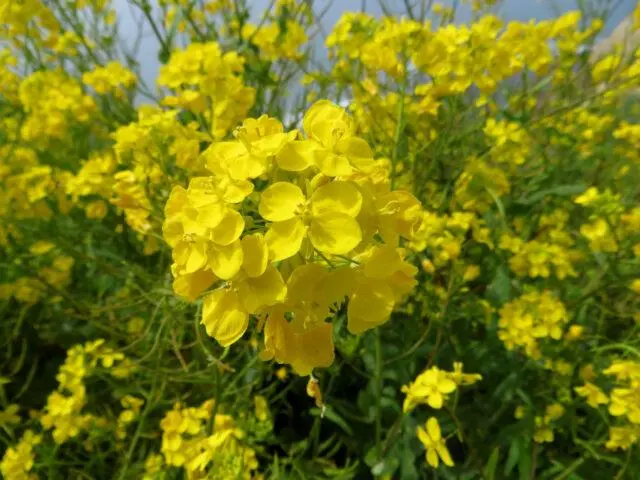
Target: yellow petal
210, 215
176, 201
191, 285
357, 152
172, 231
229, 229
197, 257
314, 349
236, 192
423, 437
280, 202
225, 261
285, 238
369, 305
332, 164
444, 454
221, 154
324, 120
262, 291
302, 282
296, 156
383, 262
224, 316
446, 385
337, 285
342, 197
334, 233
432, 457
279, 339
256, 255
435, 400
433, 429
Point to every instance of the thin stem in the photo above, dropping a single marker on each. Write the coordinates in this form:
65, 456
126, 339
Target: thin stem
378, 385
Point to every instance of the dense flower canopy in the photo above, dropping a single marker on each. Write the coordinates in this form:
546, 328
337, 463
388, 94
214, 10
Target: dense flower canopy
413, 252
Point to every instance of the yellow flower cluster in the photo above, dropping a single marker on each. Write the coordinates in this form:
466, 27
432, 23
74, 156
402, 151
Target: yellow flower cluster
31, 19
54, 102
432, 387
529, 318
544, 424
52, 277
131, 406
9, 79
508, 142
625, 397
281, 32
478, 184
208, 82
18, 460
112, 78
311, 244
188, 442
550, 252
63, 412
623, 402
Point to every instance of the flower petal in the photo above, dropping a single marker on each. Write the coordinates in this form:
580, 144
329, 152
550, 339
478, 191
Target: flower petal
224, 317
370, 305
262, 291
332, 197
444, 454
255, 253
280, 201
334, 233
315, 349
225, 261
296, 156
432, 457
435, 400
433, 429
193, 284
229, 229
285, 238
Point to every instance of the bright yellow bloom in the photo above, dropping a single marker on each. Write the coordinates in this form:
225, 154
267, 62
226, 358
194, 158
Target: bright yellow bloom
431, 387
328, 217
434, 444
593, 394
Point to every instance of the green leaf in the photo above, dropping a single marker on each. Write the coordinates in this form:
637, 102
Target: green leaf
512, 457
524, 463
331, 415
492, 464
561, 191
499, 290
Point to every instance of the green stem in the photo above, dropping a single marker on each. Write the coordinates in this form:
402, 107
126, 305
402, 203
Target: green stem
378, 385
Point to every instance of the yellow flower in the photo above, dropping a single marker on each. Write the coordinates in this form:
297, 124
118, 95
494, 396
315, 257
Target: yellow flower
328, 217
261, 408
434, 444
282, 374
41, 247
593, 394
622, 437
574, 332
471, 272
463, 378
430, 387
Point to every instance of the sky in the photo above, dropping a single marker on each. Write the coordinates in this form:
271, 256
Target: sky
521, 10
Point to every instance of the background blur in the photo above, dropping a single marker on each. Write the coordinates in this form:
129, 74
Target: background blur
508, 10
